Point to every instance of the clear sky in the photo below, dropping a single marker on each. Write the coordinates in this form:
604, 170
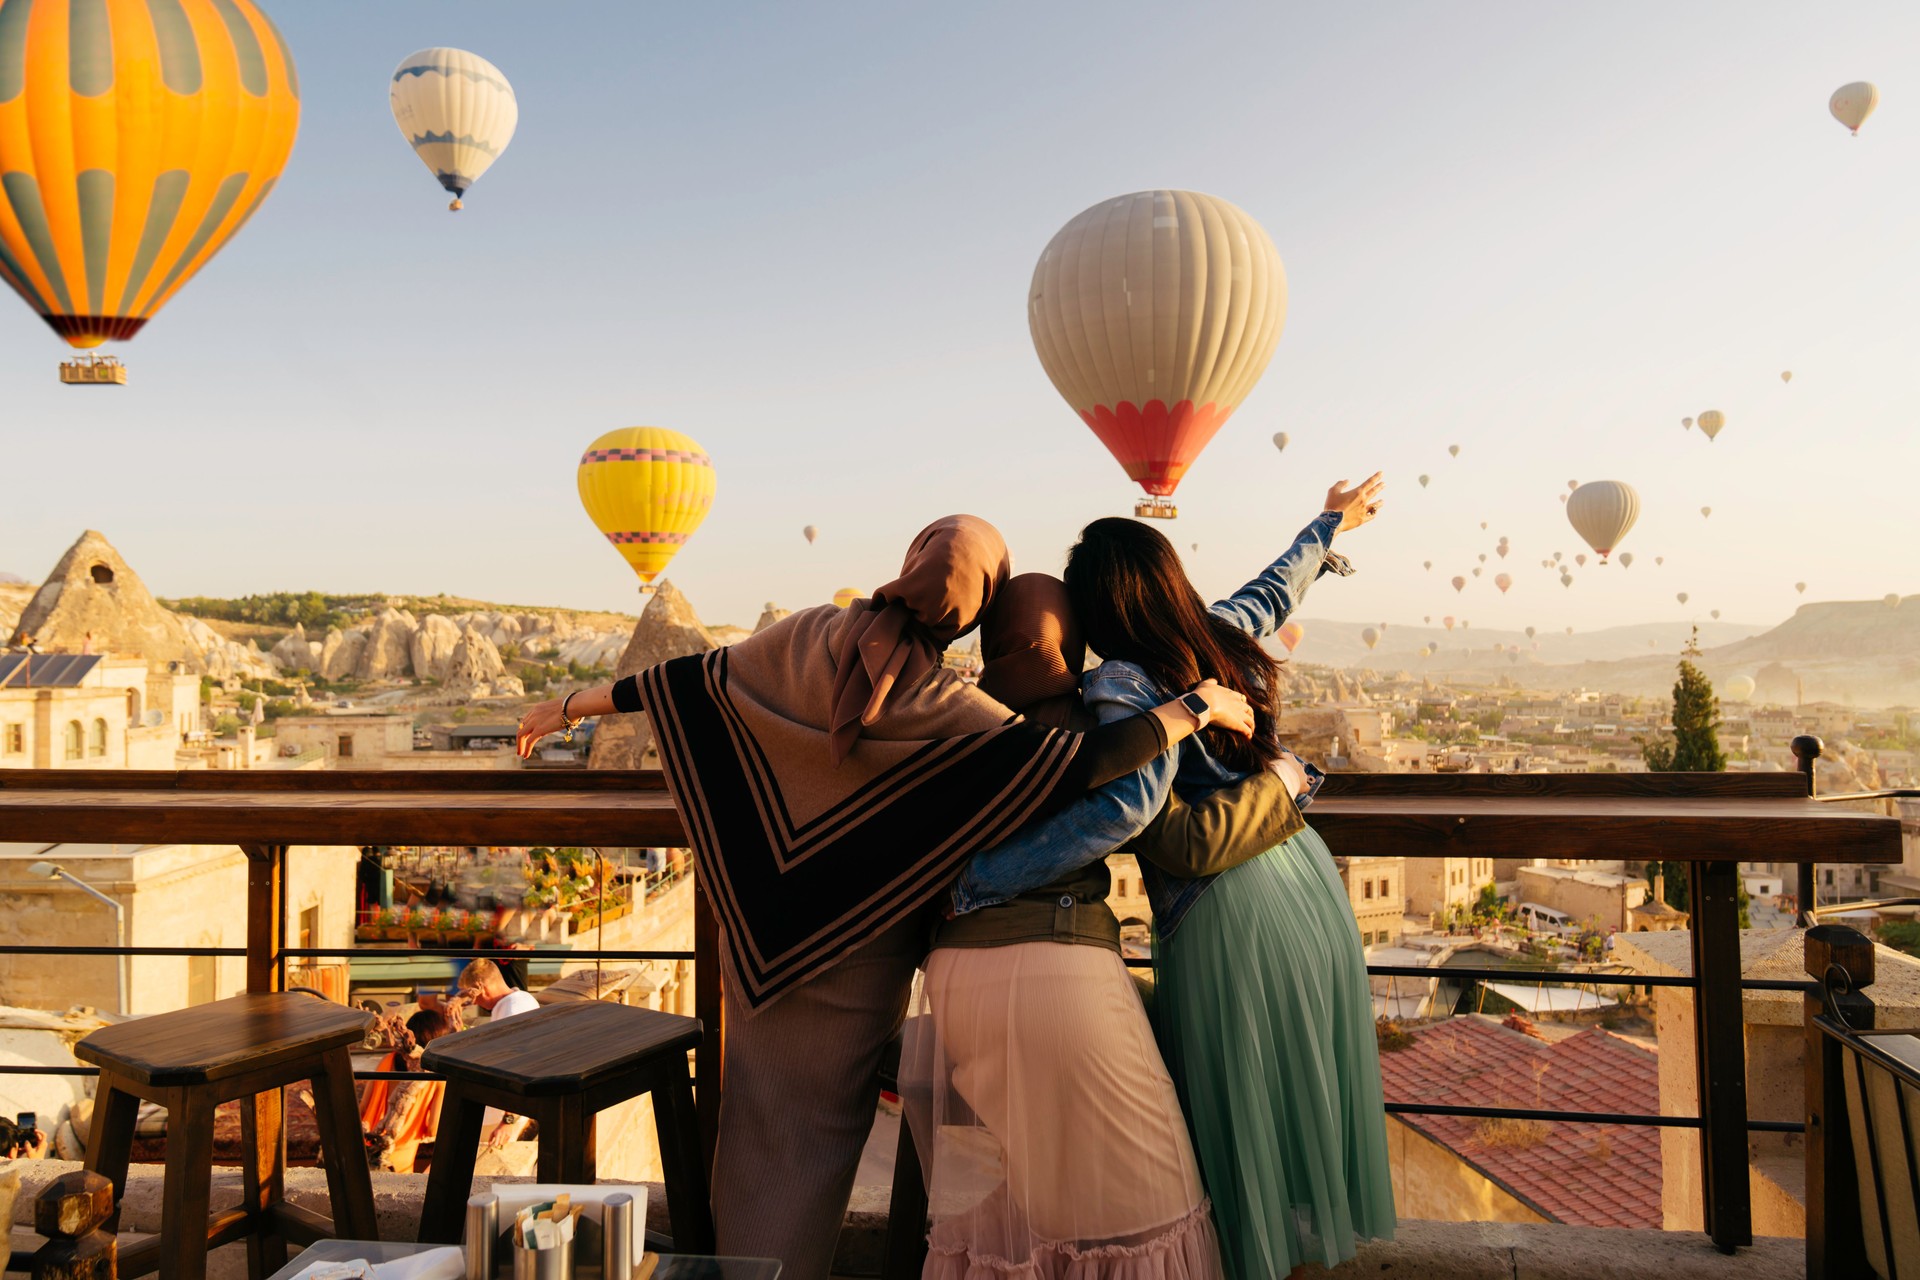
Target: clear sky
803, 235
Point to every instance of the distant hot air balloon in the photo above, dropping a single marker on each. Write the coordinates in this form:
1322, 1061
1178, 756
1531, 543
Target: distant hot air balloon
648, 489
135, 141
1383, 628
1602, 511
811, 532
1483, 524
1154, 314
1740, 688
1530, 633
1424, 480
1447, 622
1546, 564
1427, 563
1428, 619
1626, 559
1476, 572
1369, 637
1459, 583
1569, 630
1681, 596
1498, 647
1851, 104
1566, 579
1556, 557
1280, 441
1801, 587
1891, 599
1196, 548
1454, 450
1572, 485
1686, 424
1426, 651
1705, 512
1786, 375
1711, 422
1581, 559
1658, 561
1502, 549
1715, 614
1464, 624
1503, 581
1483, 557
1562, 497
846, 596
456, 110
1291, 634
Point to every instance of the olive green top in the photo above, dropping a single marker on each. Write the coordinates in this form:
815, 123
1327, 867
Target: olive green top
1189, 840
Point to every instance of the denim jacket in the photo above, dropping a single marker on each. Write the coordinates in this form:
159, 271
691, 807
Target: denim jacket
1102, 821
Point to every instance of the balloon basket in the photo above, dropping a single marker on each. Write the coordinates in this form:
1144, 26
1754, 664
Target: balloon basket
1155, 509
93, 371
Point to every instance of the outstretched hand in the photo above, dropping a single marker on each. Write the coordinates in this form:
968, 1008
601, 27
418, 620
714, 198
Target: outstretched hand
1357, 505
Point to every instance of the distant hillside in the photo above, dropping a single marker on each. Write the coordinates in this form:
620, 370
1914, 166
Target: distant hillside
1339, 643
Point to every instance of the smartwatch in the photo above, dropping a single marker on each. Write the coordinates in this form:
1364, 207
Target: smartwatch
1198, 705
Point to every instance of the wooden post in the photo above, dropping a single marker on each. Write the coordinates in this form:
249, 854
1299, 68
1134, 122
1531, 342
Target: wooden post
709, 1005
70, 1211
1720, 1054
1806, 749
1840, 959
266, 917
263, 1117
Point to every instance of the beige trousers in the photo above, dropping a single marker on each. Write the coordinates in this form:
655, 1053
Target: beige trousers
801, 1086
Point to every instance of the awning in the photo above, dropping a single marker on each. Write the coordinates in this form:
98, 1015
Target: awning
1544, 999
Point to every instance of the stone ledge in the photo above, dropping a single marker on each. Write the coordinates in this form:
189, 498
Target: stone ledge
1422, 1251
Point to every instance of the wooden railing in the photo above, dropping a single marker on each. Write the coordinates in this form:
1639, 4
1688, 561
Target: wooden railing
1712, 822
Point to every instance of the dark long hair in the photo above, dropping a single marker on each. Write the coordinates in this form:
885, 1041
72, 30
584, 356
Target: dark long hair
1135, 603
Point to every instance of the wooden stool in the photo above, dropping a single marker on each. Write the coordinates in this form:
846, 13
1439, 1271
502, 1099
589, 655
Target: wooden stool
190, 1062
561, 1066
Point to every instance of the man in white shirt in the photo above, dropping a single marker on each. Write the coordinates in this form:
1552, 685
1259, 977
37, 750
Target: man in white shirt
482, 983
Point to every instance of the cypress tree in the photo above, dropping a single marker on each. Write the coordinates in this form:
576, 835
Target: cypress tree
1693, 748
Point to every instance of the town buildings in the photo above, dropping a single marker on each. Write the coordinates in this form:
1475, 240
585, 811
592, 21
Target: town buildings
93, 711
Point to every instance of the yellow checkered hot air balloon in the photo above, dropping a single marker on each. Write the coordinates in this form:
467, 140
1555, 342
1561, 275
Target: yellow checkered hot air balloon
136, 137
648, 489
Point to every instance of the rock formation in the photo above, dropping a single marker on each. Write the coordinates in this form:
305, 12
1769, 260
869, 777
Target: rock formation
294, 652
340, 653
387, 653
770, 615
432, 645
668, 628
475, 670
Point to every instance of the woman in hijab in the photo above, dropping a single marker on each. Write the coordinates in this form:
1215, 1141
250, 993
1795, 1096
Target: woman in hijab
832, 777
1262, 1001
1049, 1126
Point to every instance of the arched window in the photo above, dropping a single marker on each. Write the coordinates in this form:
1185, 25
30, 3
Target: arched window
76, 741
97, 744
133, 706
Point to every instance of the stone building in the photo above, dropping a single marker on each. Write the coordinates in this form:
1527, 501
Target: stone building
1376, 889
1438, 885
90, 711
1604, 899
359, 741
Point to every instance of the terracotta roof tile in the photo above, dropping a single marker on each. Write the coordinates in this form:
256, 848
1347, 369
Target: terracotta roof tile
1584, 1174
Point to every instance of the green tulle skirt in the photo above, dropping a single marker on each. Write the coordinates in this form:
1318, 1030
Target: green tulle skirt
1266, 1020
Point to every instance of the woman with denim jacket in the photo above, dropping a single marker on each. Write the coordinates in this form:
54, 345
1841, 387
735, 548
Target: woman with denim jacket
1262, 1002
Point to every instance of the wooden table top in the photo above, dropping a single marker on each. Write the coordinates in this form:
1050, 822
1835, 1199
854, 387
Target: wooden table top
223, 1038
1683, 817
561, 1048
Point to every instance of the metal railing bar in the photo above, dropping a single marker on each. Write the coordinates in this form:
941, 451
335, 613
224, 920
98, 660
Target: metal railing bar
1529, 975
451, 953
1776, 1126
1806, 986
1541, 1113
225, 952
1888, 793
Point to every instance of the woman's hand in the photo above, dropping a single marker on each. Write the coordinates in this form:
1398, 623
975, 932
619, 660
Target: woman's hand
539, 720
1357, 505
1230, 709
1287, 767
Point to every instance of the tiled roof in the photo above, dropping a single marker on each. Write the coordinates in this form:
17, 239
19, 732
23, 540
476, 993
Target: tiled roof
1586, 1175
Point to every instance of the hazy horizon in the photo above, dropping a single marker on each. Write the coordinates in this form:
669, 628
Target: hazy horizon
804, 239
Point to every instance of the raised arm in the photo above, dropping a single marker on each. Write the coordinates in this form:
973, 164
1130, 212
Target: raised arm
1264, 603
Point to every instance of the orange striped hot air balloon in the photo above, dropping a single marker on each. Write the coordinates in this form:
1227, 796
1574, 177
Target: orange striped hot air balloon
1154, 314
847, 595
136, 137
648, 489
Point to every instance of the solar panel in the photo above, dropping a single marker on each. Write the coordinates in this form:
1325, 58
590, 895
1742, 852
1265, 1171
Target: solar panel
10, 667
45, 670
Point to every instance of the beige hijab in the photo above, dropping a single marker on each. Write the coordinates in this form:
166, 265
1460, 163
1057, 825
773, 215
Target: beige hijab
952, 571
1033, 652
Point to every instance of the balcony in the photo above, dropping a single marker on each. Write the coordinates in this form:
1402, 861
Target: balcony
1709, 821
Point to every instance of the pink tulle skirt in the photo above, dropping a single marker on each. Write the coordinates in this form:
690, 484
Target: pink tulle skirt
1051, 1134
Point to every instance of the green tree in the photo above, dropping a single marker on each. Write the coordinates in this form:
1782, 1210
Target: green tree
1694, 747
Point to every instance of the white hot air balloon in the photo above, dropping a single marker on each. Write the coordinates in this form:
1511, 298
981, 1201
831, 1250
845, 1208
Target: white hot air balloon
1369, 637
810, 533
1602, 511
1280, 439
1705, 512
1801, 587
1681, 596
457, 112
1503, 581
1851, 104
1626, 559
1786, 375
1424, 480
1711, 422
1454, 450
1459, 583
1740, 688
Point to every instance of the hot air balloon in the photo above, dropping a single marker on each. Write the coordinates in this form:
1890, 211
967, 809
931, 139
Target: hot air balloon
1291, 634
1891, 599
1562, 497
1154, 314
1459, 583
1566, 578
1546, 564
1569, 630
1556, 557
1715, 614
1447, 622
811, 532
1280, 441
1483, 557
1602, 511
1427, 563
456, 111
1740, 688
1530, 633
1581, 559
1705, 512
1196, 548
1572, 485
647, 489
1383, 628
1369, 637
1710, 423
1801, 587
1658, 561
1476, 572
1454, 450
1626, 559
1424, 480
135, 141
1681, 596
1686, 424
1503, 581
1498, 647
1851, 104
1464, 624
1502, 549
1483, 524
1786, 375
1428, 619
846, 596
1426, 651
